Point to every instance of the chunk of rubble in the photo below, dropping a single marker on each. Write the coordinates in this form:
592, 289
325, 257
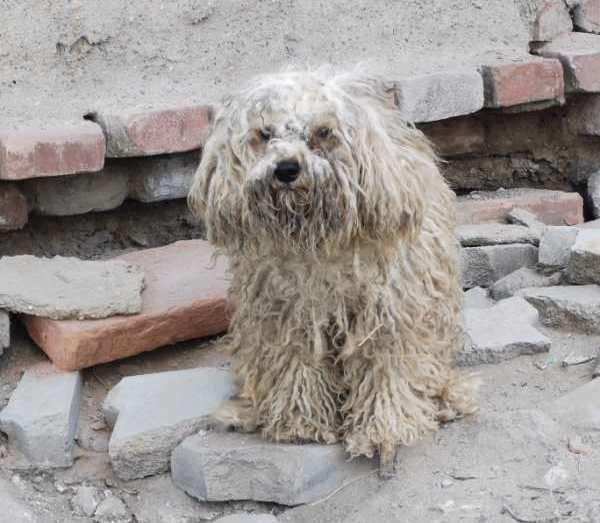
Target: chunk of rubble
580, 408
525, 218
555, 246
62, 288
213, 466
152, 413
477, 298
41, 416
584, 262
575, 307
522, 278
4, 331
185, 297
482, 266
502, 332
495, 234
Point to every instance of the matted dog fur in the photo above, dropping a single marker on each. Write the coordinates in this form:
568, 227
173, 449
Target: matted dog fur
340, 233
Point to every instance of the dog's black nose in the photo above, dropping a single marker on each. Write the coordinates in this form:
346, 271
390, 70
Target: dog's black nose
287, 171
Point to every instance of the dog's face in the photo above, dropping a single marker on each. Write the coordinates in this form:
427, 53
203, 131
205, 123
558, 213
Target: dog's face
301, 164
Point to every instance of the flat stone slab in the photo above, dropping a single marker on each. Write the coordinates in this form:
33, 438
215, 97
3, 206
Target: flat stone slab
502, 332
214, 466
4, 331
495, 234
522, 278
152, 413
477, 298
61, 288
185, 297
13, 508
41, 416
482, 266
555, 246
248, 518
580, 408
584, 261
575, 307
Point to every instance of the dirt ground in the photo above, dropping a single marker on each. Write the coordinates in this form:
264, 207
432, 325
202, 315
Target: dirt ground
510, 462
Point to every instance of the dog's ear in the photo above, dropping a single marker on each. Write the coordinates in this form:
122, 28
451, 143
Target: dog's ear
213, 194
395, 163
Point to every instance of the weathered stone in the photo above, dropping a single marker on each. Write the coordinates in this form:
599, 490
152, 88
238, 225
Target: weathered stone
592, 224
580, 408
555, 246
456, 136
495, 234
587, 16
482, 266
160, 501
438, 96
527, 219
593, 192
213, 466
515, 83
502, 332
575, 307
551, 207
151, 414
579, 54
41, 416
149, 132
71, 195
86, 500
248, 518
4, 330
522, 278
112, 510
51, 151
162, 178
185, 297
584, 262
14, 210
68, 287
552, 19
477, 298
14, 510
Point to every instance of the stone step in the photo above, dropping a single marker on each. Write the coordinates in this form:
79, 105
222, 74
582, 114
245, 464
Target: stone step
42, 414
152, 413
185, 297
495, 234
550, 207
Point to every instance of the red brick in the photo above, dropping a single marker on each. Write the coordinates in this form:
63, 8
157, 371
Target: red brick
552, 19
587, 16
510, 84
456, 136
579, 54
185, 297
146, 133
551, 207
13, 207
52, 151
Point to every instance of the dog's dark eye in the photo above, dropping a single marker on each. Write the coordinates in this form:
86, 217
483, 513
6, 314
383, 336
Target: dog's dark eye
323, 133
265, 134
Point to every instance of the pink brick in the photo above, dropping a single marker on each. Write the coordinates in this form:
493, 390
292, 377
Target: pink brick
587, 16
551, 207
185, 297
552, 19
455, 136
146, 133
510, 84
13, 207
580, 57
52, 151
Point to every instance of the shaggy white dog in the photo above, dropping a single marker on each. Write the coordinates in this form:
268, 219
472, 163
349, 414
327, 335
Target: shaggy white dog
339, 230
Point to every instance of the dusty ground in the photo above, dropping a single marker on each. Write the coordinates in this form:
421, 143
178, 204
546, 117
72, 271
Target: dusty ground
62, 58
509, 458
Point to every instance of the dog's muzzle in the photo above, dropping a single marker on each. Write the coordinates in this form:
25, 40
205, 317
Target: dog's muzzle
287, 171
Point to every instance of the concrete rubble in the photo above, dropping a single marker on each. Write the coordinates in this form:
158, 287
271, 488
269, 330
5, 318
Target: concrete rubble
520, 279
61, 288
150, 416
42, 414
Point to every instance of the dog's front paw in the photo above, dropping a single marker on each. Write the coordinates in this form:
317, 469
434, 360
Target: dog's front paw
388, 456
235, 414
